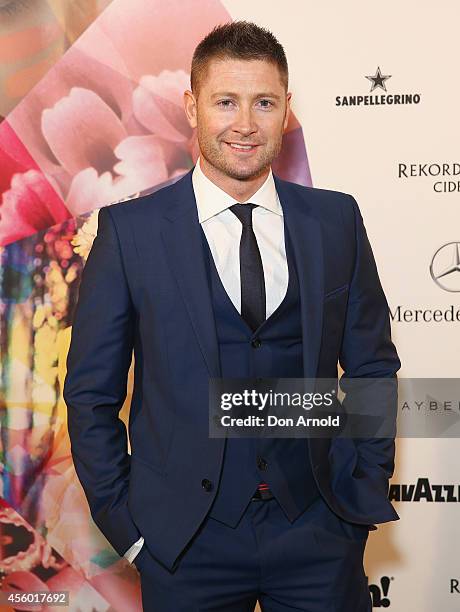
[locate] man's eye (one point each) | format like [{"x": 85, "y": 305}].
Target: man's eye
[{"x": 227, "y": 103}]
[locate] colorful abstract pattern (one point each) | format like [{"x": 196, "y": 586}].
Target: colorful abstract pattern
[{"x": 91, "y": 96}]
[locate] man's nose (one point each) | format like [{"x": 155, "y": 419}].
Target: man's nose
[{"x": 245, "y": 122}]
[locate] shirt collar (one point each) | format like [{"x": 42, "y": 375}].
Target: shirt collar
[{"x": 211, "y": 199}]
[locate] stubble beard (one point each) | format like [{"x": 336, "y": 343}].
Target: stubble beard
[{"x": 212, "y": 152}]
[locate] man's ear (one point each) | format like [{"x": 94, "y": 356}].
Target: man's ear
[
  {"x": 288, "y": 109},
  {"x": 190, "y": 107}
]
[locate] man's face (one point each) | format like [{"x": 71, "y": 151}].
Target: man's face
[{"x": 239, "y": 102}]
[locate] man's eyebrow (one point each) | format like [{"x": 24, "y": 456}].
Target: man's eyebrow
[{"x": 235, "y": 95}]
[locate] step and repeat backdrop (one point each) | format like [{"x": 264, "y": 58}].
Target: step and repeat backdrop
[{"x": 91, "y": 113}]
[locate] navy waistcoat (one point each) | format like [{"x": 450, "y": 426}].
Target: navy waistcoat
[{"x": 283, "y": 463}]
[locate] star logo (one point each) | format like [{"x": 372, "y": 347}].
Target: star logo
[
  {"x": 378, "y": 80},
  {"x": 445, "y": 267}
]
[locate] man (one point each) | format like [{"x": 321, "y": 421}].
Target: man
[{"x": 230, "y": 272}]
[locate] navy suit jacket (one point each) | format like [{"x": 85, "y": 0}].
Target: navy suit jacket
[{"x": 144, "y": 288}]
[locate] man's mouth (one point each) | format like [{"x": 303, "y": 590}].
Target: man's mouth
[{"x": 243, "y": 148}]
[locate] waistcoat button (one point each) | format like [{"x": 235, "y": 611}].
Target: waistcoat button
[{"x": 261, "y": 463}]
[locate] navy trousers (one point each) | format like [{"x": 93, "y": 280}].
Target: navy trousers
[{"x": 314, "y": 564}]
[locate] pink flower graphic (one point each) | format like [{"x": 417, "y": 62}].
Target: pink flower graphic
[
  {"x": 30, "y": 201},
  {"x": 29, "y": 205},
  {"x": 82, "y": 131},
  {"x": 157, "y": 104}
]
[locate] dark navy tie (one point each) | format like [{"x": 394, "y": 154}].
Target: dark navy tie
[{"x": 251, "y": 269}]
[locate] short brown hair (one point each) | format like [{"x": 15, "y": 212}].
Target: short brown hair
[{"x": 237, "y": 40}]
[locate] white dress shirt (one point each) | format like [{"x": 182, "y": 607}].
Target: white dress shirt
[{"x": 223, "y": 232}]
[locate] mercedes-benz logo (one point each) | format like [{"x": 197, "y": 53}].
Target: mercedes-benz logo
[{"x": 445, "y": 267}]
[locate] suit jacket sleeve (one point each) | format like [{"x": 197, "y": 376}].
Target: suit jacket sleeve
[
  {"x": 368, "y": 352},
  {"x": 95, "y": 386}
]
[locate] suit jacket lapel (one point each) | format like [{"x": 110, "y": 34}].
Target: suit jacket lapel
[
  {"x": 183, "y": 242},
  {"x": 305, "y": 232}
]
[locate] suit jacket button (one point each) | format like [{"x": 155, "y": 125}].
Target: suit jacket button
[
  {"x": 256, "y": 342},
  {"x": 206, "y": 484}
]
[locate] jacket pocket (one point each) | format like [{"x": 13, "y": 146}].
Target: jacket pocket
[
  {"x": 155, "y": 468},
  {"x": 335, "y": 291}
]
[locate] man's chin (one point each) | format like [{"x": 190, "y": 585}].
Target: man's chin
[{"x": 245, "y": 173}]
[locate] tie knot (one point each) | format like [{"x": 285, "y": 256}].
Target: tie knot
[{"x": 243, "y": 212}]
